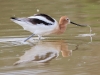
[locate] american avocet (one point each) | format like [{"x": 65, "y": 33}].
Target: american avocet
[{"x": 42, "y": 24}]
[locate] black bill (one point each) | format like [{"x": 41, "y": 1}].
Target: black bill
[{"x": 78, "y": 24}]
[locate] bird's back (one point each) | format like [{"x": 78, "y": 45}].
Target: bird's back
[{"x": 40, "y": 24}]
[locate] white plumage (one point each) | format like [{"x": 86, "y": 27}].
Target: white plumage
[{"x": 38, "y": 28}]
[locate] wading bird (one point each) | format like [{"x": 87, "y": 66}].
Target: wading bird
[{"x": 42, "y": 24}]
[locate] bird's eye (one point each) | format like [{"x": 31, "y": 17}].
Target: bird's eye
[{"x": 67, "y": 19}]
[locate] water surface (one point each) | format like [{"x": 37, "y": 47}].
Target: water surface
[{"x": 71, "y": 53}]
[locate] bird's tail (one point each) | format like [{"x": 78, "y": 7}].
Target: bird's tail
[
  {"x": 14, "y": 18},
  {"x": 17, "y": 19},
  {"x": 21, "y": 21}
]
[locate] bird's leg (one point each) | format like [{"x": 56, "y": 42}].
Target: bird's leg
[
  {"x": 29, "y": 37},
  {"x": 39, "y": 37}
]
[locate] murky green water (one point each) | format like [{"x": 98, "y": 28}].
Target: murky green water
[{"x": 71, "y": 53}]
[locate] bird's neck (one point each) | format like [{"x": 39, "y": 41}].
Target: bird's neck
[{"x": 61, "y": 29}]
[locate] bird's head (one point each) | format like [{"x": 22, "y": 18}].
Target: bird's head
[{"x": 64, "y": 20}]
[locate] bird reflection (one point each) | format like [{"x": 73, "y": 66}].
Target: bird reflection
[{"x": 44, "y": 52}]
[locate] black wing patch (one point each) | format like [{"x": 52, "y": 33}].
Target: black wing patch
[
  {"x": 37, "y": 21},
  {"x": 46, "y": 16}
]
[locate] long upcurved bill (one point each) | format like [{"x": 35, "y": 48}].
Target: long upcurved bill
[{"x": 78, "y": 24}]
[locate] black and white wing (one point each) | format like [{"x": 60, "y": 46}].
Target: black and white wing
[{"x": 41, "y": 19}]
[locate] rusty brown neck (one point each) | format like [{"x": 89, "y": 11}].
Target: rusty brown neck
[
  {"x": 61, "y": 25},
  {"x": 61, "y": 28}
]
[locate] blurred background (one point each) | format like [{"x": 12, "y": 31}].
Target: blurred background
[{"x": 83, "y": 61}]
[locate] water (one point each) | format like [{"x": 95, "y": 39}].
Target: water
[
  {"x": 85, "y": 35},
  {"x": 64, "y": 54}
]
